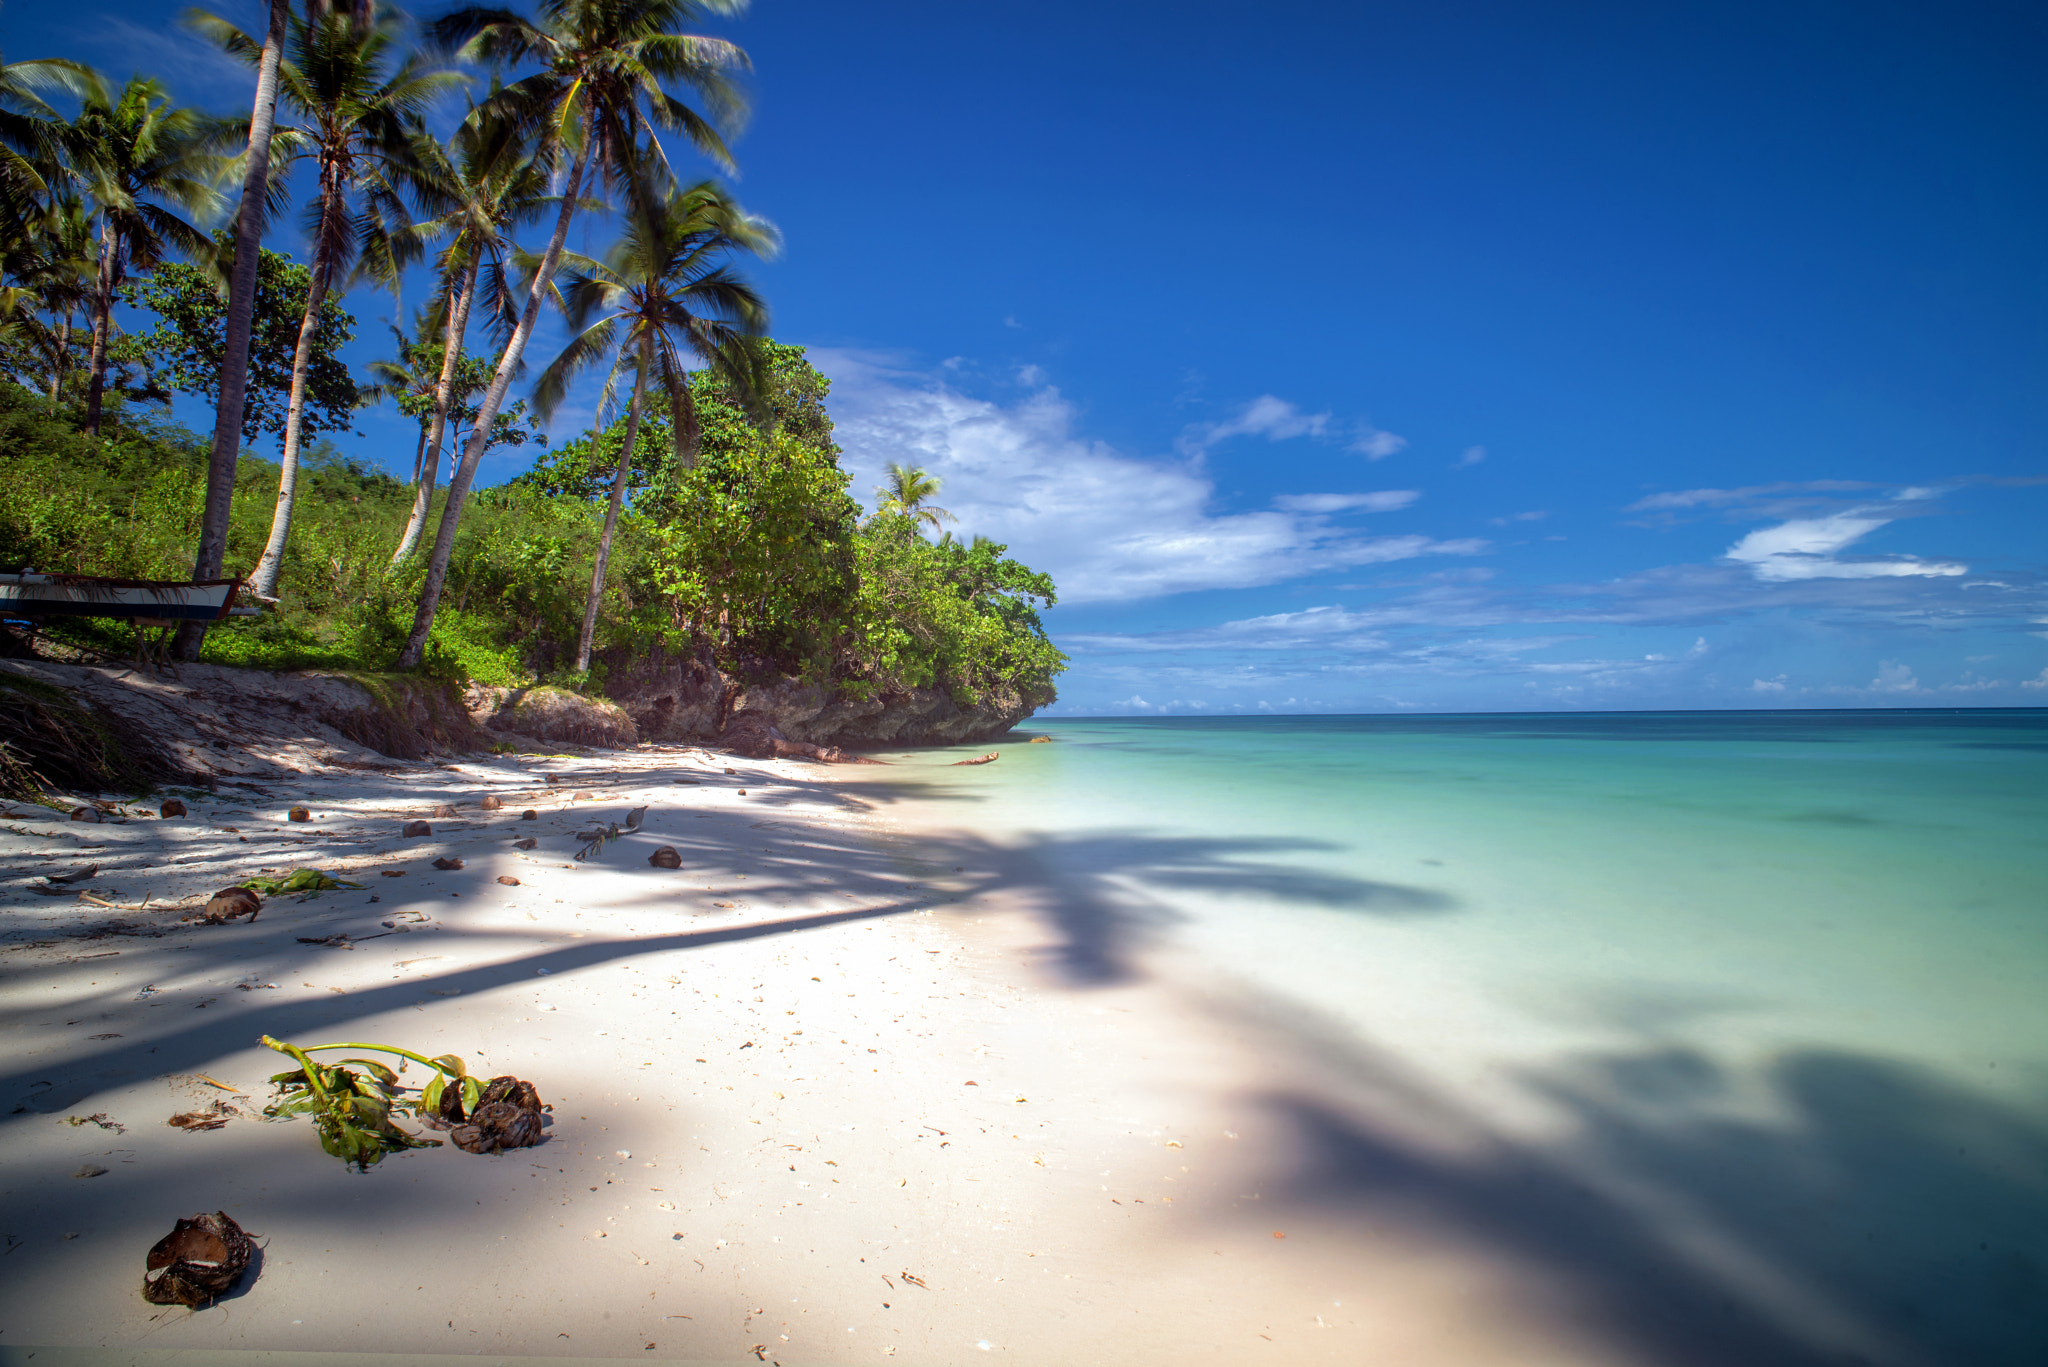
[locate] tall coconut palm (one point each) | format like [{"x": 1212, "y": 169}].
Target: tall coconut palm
[
  {"x": 906, "y": 494},
  {"x": 357, "y": 114},
  {"x": 666, "y": 294},
  {"x": 488, "y": 179},
  {"x": 241, "y": 312},
  {"x": 126, "y": 152},
  {"x": 31, "y": 134},
  {"x": 599, "y": 99}
]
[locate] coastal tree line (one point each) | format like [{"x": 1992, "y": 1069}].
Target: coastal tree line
[{"x": 707, "y": 505}]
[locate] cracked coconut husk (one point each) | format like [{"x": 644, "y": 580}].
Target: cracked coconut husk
[
  {"x": 507, "y": 1116},
  {"x": 199, "y": 1261}
]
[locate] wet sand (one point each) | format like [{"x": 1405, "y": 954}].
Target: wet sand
[{"x": 830, "y": 1092}]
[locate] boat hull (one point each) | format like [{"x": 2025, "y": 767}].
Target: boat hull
[{"x": 39, "y": 595}]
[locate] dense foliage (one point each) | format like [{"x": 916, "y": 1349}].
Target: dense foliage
[
  {"x": 755, "y": 552},
  {"x": 183, "y": 351}
]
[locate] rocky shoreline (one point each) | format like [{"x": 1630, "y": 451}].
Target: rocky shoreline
[{"x": 209, "y": 721}]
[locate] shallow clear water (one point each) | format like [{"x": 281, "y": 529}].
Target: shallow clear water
[{"x": 1654, "y": 946}]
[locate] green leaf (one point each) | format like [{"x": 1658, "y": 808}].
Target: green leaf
[
  {"x": 450, "y": 1063},
  {"x": 430, "y": 1096},
  {"x": 382, "y": 1073}
]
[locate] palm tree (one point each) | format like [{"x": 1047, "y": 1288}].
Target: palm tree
[
  {"x": 598, "y": 99},
  {"x": 356, "y": 129},
  {"x": 905, "y": 494},
  {"x": 241, "y": 312},
  {"x": 410, "y": 380},
  {"x": 50, "y": 262},
  {"x": 665, "y": 292},
  {"x": 31, "y": 146},
  {"x": 125, "y": 153},
  {"x": 483, "y": 183}
]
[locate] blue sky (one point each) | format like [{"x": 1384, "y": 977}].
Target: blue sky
[{"x": 1451, "y": 357}]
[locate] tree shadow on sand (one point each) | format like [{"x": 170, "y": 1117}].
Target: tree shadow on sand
[
  {"x": 1088, "y": 888},
  {"x": 1873, "y": 1212}
]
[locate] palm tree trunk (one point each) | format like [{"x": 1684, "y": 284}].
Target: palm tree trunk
[
  {"x": 444, "y": 390},
  {"x": 234, "y": 361},
  {"x": 419, "y": 456},
  {"x": 264, "y": 581},
  {"x": 487, "y": 414},
  {"x": 611, "y": 515},
  {"x": 60, "y": 362},
  {"x": 102, "y": 322}
]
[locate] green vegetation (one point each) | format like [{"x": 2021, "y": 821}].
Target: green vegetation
[
  {"x": 708, "y": 517},
  {"x": 755, "y": 553}
]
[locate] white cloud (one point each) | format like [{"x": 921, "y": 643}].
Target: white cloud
[
  {"x": 1267, "y": 416},
  {"x": 1374, "y": 444},
  {"x": 1384, "y": 501},
  {"x": 1805, "y": 549},
  {"x": 1719, "y": 498},
  {"x": 1893, "y": 677},
  {"x": 1517, "y": 517},
  {"x": 1473, "y": 455},
  {"x": 1276, "y": 419},
  {"x": 2039, "y": 681},
  {"x": 1776, "y": 685},
  {"x": 1105, "y": 525}
]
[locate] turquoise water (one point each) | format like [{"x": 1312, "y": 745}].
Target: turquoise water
[{"x": 1786, "y": 973}]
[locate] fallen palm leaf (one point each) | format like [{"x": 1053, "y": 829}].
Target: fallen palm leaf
[
  {"x": 299, "y": 880},
  {"x": 212, "y": 1118}
]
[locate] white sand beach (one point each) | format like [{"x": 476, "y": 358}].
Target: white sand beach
[{"x": 816, "y": 1098}]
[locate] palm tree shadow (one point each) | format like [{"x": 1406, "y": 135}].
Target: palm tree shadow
[
  {"x": 1884, "y": 1215},
  {"x": 1096, "y": 890}
]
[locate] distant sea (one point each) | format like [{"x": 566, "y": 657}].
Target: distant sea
[{"x": 1788, "y": 970}]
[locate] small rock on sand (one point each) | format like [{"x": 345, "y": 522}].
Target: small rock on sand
[
  {"x": 666, "y": 858},
  {"x": 417, "y": 828},
  {"x": 581, "y": 797},
  {"x": 444, "y": 810},
  {"x": 529, "y": 815},
  {"x": 525, "y": 844},
  {"x": 492, "y": 803},
  {"x": 91, "y": 814},
  {"x": 508, "y": 880},
  {"x": 299, "y": 814},
  {"x": 447, "y": 863},
  {"x": 171, "y": 807}
]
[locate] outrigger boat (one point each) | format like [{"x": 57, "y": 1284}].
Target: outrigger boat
[
  {"x": 155, "y": 601},
  {"x": 148, "y": 603}
]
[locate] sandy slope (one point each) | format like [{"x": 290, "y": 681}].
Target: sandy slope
[{"x": 816, "y": 1099}]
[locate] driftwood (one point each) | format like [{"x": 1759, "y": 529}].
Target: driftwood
[{"x": 989, "y": 758}]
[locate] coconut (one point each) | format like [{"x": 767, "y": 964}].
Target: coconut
[
  {"x": 507, "y": 1116},
  {"x": 199, "y": 1261},
  {"x": 666, "y": 858},
  {"x": 229, "y": 903}
]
